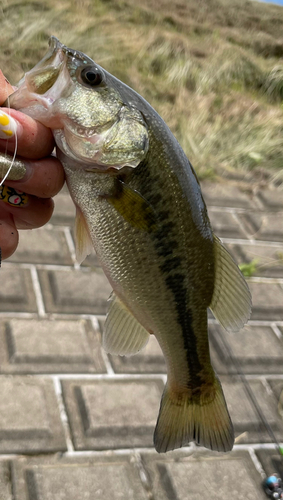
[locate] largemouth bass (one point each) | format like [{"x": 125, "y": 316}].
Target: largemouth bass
[{"x": 140, "y": 205}]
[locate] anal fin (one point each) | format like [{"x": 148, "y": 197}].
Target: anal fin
[{"x": 123, "y": 334}]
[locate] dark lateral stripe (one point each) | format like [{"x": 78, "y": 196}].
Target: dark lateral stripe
[
  {"x": 170, "y": 264},
  {"x": 165, "y": 244},
  {"x": 175, "y": 283}
]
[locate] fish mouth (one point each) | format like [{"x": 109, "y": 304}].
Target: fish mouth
[
  {"x": 42, "y": 85},
  {"x": 52, "y": 77}
]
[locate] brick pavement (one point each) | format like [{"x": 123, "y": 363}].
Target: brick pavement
[{"x": 78, "y": 424}]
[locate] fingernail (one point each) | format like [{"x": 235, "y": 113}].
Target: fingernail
[
  {"x": 18, "y": 168},
  {"x": 12, "y": 196},
  {"x": 8, "y": 126}
]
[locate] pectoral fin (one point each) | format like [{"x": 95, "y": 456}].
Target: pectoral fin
[
  {"x": 123, "y": 334},
  {"x": 231, "y": 302},
  {"x": 133, "y": 207},
  {"x": 83, "y": 241}
]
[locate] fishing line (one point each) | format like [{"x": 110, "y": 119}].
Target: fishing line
[
  {"x": 15, "y": 151},
  {"x": 252, "y": 398},
  {"x": 12, "y": 162}
]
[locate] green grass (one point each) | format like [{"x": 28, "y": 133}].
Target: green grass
[
  {"x": 212, "y": 69},
  {"x": 249, "y": 268}
]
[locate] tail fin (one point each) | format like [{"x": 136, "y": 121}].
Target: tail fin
[{"x": 183, "y": 420}]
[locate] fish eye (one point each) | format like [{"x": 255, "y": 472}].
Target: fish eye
[{"x": 91, "y": 76}]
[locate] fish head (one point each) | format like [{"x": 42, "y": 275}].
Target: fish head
[{"x": 91, "y": 119}]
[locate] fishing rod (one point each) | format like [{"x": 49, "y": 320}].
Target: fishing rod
[{"x": 272, "y": 485}]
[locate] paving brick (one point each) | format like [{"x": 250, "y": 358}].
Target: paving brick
[
  {"x": 256, "y": 349},
  {"x": 271, "y": 462},
  {"x": 225, "y": 225},
  {"x": 204, "y": 475},
  {"x": 247, "y": 424},
  {"x": 42, "y": 246},
  {"x": 267, "y": 299},
  {"x": 64, "y": 209},
  {"x": 5, "y": 481},
  {"x": 223, "y": 195},
  {"x": 29, "y": 416},
  {"x": 112, "y": 414},
  {"x": 269, "y": 259},
  {"x": 148, "y": 360},
  {"x": 263, "y": 226},
  {"x": 44, "y": 346},
  {"x": 271, "y": 198},
  {"x": 78, "y": 478},
  {"x": 16, "y": 291},
  {"x": 75, "y": 291}
]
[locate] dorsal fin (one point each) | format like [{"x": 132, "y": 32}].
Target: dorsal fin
[
  {"x": 122, "y": 334},
  {"x": 231, "y": 302},
  {"x": 83, "y": 241}
]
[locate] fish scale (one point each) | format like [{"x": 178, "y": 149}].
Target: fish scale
[{"x": 140, "y": 205}]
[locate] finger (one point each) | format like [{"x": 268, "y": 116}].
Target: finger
[
  {"x": 28, "y": 212},
  {"x": 43, "y": 178},
  {"x": 9, "y": 236},
  {"x": 33, "y": 139}
]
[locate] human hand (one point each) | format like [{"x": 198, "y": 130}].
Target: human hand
[{"x": 40, "y": 176}]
